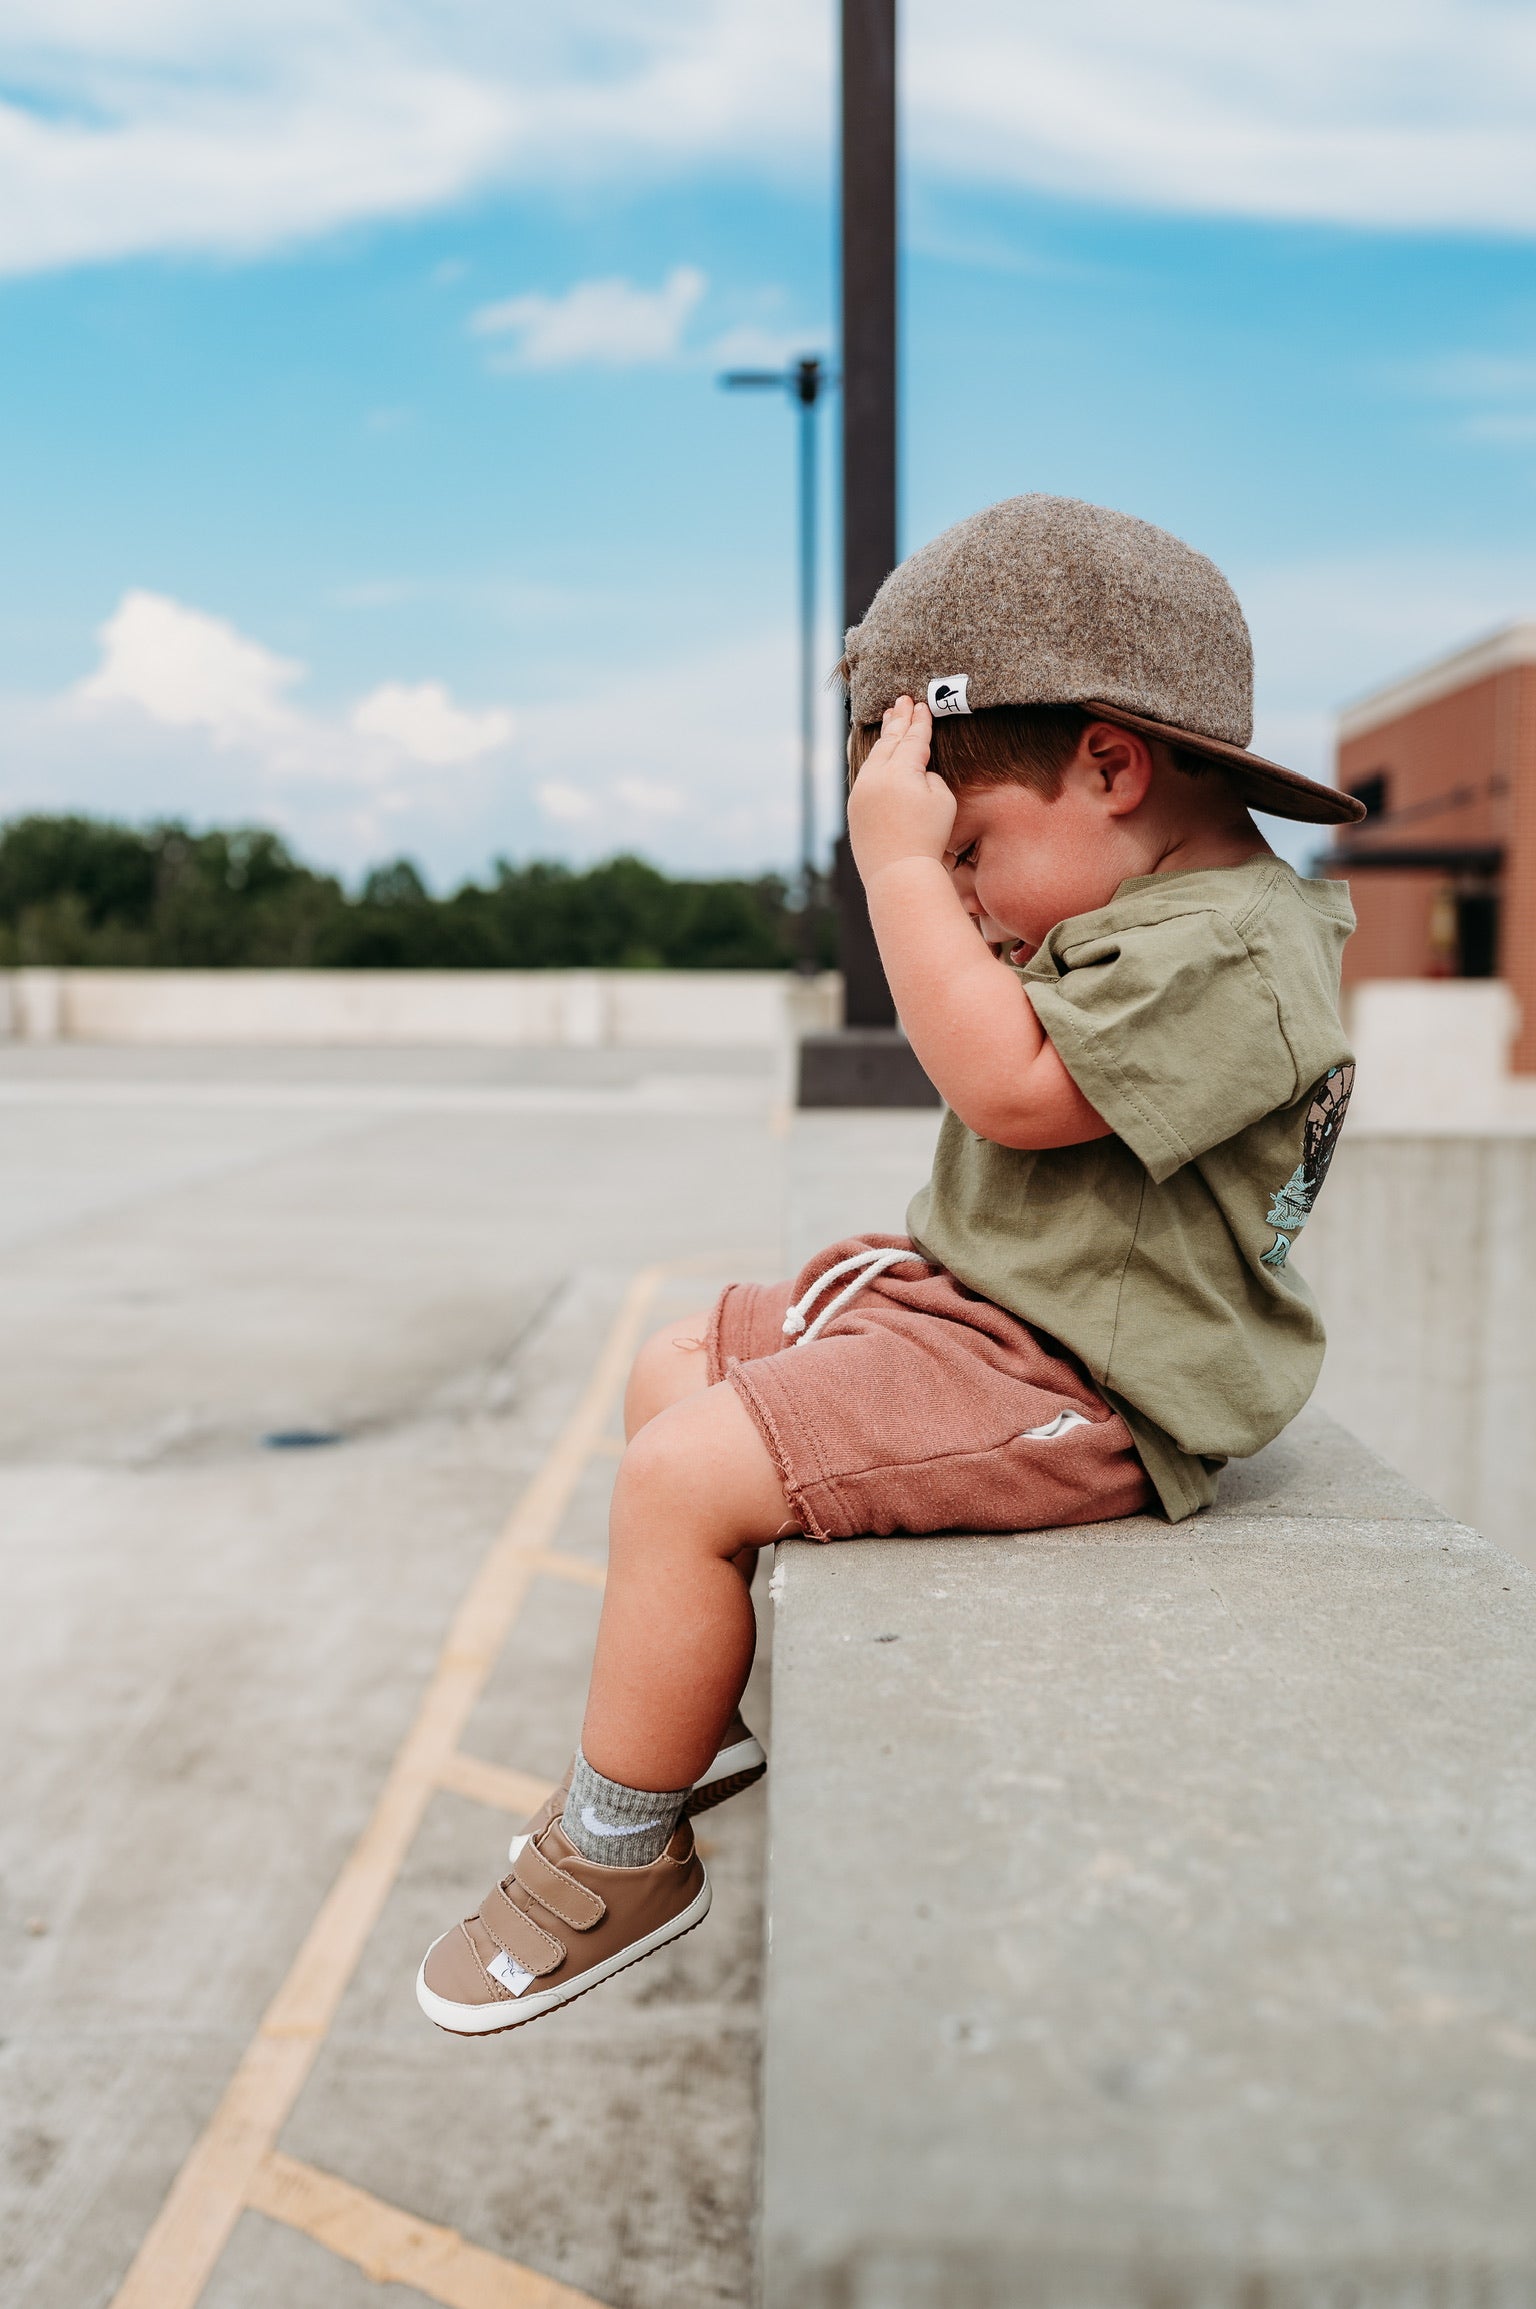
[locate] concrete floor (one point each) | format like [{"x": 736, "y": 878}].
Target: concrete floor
[{"x": 212, "y": 1650}]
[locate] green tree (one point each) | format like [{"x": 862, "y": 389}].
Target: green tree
[{"x": 85, "y": 891}]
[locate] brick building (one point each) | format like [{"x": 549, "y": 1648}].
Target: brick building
[{"x": 1443, "y": 868}]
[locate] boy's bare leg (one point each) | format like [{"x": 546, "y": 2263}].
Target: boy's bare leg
[
  {"x": 671, "y": 1365},
  {"x": 668, "y": 1367},
  {"x": 617, "y": 1875},
  {"x": 696, "y": 1490}
]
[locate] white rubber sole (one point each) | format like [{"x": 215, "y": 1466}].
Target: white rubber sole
[
  {"x": 746, "y": 1761},
  {"x": 492, "y": 2019},
  {"x": 744, "y": 1757}
]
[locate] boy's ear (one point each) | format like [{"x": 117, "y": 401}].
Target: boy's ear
[{"x": 1119, "y": 764}]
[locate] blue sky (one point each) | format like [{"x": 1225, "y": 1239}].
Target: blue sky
[{"x": 364, "y": 471}]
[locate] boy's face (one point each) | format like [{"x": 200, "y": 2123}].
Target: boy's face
[{"x": 1022, "y": 864}]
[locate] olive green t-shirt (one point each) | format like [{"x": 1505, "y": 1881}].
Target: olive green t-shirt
[{"x": 1198, "y": 1013}]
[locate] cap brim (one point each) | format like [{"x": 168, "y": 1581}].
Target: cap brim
[{"x": 1265, "y": 785}]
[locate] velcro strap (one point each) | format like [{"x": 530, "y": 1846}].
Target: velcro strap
[
  {"x": 514, "y": 1930},
  {"x": 575, "y": 1903}
]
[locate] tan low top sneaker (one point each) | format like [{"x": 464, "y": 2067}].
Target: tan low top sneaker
[
  {"x": 738, "y": 1763},
  {"x": 554, "y": 1928}
]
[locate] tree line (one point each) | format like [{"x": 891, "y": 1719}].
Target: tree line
[{"x": 77, "y": 890}]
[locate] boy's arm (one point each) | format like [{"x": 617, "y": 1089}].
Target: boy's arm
[{"x": 965, "y": 1013}]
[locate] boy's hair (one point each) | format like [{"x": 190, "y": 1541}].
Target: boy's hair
[{"x": 1006, "y": 746}]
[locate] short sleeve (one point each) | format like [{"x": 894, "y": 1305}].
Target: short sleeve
[{"x": 1170, "y": 1032}]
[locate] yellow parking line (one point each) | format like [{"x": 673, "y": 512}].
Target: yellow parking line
[
  {"x": 493, "y": 1783},
  {"x": 177, "y": 2257},
  {"x": 572, "y": 1567},
  {"x": 395, "y": 2248}
]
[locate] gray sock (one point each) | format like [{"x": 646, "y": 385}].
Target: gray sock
[{"x": 619, "y": 1827}]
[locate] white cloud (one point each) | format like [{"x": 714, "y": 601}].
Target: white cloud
[
  {"x": 611, "y": 323},
  {"x": 1324, "y": 631},
  {"x": 1508, "y": 428},
  {"x": 1477, "y": 377},
  {"x": 185, "y": 697},
  {"x": 751, "y": 346},
  {"x": 567, "y": 805},
  {"x": 648, "y": 798},
  {"x": 1495, "y": 392},
  {"x": 705, "y": 788},
  {"x": 573, "y": 805},
  {"x": 425, "y": 723},
  {"x": 229, "y": 125},
  {"x": 615, "y": 324},
  {"x": 1364, "y": 112},
  {"x": 190, "y": 670},
  {"x": 233, "y": 125}
]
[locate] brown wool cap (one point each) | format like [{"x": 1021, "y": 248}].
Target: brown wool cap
[{"x": 1048, "y": 601}]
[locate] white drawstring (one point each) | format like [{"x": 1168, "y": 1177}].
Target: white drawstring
[{"x": 869, "y": 1263}]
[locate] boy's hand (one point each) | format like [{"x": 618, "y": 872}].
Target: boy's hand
[{"x": 899, "y": 808}]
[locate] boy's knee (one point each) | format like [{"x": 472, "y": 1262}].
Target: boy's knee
[
  {"x": 702, "y": 1471},
  {"x": 655, "y": 1465}
]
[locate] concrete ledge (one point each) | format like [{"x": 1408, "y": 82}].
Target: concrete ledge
[
  {"x": 1153, "y": 1910},
  {"x": 528, "y": 1009},
  {"x": 1423, "y": 1254}
]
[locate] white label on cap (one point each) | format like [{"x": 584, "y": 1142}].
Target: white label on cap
[{"x": 946, "y": 695}]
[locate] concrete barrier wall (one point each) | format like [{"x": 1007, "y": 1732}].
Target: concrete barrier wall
[
  {"x": 1422, "y": 1250},
  {"x": 574, "y": 1009},
  {"x": 1150, "y": 1908},
  {"x": 1433, "y": 1055}
]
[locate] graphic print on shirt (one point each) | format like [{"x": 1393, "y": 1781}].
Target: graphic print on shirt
[{"x": 1287, "y": 1214}]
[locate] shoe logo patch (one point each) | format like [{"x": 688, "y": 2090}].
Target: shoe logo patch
[
  {"x": 596, "y": 1827},
  {"x": 1062, "y": 1424},
  {"x": 509, "y": 1972}
]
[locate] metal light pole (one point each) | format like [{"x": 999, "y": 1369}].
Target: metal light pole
[
  {"x": 869, "y": 290},
  {"x": 869, "y": 299},
  {"x": 805, "y": 380},
  {"x": 869, "y": 1063}
]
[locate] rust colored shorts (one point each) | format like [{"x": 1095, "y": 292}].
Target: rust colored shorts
[{"x": 920, "y": 1407}]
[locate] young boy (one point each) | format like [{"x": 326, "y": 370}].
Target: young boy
[{"x": 1129, "y": 1005}]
